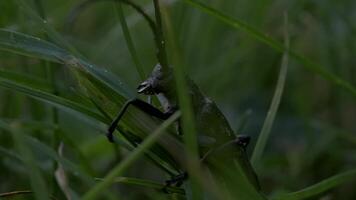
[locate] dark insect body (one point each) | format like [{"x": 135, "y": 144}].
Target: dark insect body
[
  {"x": 220, "y": 149},
  {"x": 217, "y": 141}
]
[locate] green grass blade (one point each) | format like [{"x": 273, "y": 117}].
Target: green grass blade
[
  {"x": 47, "y": 151},
  {"x": 59, "y": 102},
  {"x": 258, "y": 35},
  {"x": 122, "y": 166},
  {"x": 271, "y": 115},
  {"x": 38, "y": 183},
  {"x": 35, "y": 47},
  {"x": 320, "y": 187},
  {"x": 146, "y": 183},
  {"x": 49, "y": 31},
  {"x": 128, "y": 39},
  {"x": 185, "y": 105},
  {"x": 23, "y": 79},
  {"x": 68, "y": 165}
]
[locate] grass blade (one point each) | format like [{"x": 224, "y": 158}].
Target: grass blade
[
  {"x": 35, "y": 47},
  {"x": 128, "y": 39},
  {"x": 185, "y": 105},
  {"x": 139, "y": 151},
  {"x": 320, "y": 187},
  {"x": 258, "y": 35},
  {"x": 38, "y": 183},
  {"x": 146, "y": 183},
  {"x": 271, "y": 115},
  {"x": 59, "y": 102}
]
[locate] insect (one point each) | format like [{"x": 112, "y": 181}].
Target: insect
[
  {"x": 218, "y": 145},
  {"x": 217, "y": 141}
]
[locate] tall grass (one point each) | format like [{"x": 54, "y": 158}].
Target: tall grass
[{"x": 232, "y": 49}]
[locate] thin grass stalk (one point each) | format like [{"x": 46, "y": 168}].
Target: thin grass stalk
[
  {"x": 128, "y": 39},
  {"x": 320, "y": 187},
  {"x": 271, "y": 115},
  {"x": 185, "y": 105}
]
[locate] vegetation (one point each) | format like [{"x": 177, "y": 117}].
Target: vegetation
[{"x": 281, "y": 72}]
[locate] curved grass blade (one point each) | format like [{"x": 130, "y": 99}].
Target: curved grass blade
[
  {"x": 122, "y": 166},
  {"x": 271, "y": 115},
  {"x": 320, "y": 187},
  {"x": 35, "y": 47},
  {"x": 258, "y": 35}
]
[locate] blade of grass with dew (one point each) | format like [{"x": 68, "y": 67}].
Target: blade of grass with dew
[
  {"x": 258, "y": 35},
  {"x": 271, "y": 115},
  {"x": 37, "y": 181},
  {"x": 136, "y": 154},
  {"x": 320, "y": 187},
  {"x": 146, "y": 183},
  {"x": 128, "y": 39},
  {"x": 185, "y": 105}
]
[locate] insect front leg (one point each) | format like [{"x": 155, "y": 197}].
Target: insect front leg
[{"x": 142, "y": 105}]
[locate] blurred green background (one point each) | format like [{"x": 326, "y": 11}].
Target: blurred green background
[{"x": 312, "y": 138}]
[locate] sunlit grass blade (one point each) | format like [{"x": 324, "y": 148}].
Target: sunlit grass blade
[
  {"x": 320, "y": 187},
  {"x": 271, "y": 115},
  {"x": 251, "y": 31},
  {"x": 137, "y": 153},
  {"x": 38, "y": 183}
]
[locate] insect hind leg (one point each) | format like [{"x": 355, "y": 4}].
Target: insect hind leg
[{"x": 142, "y": 105}]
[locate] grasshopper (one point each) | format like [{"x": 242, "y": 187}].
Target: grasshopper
[{"x": 217, "y": 141}]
